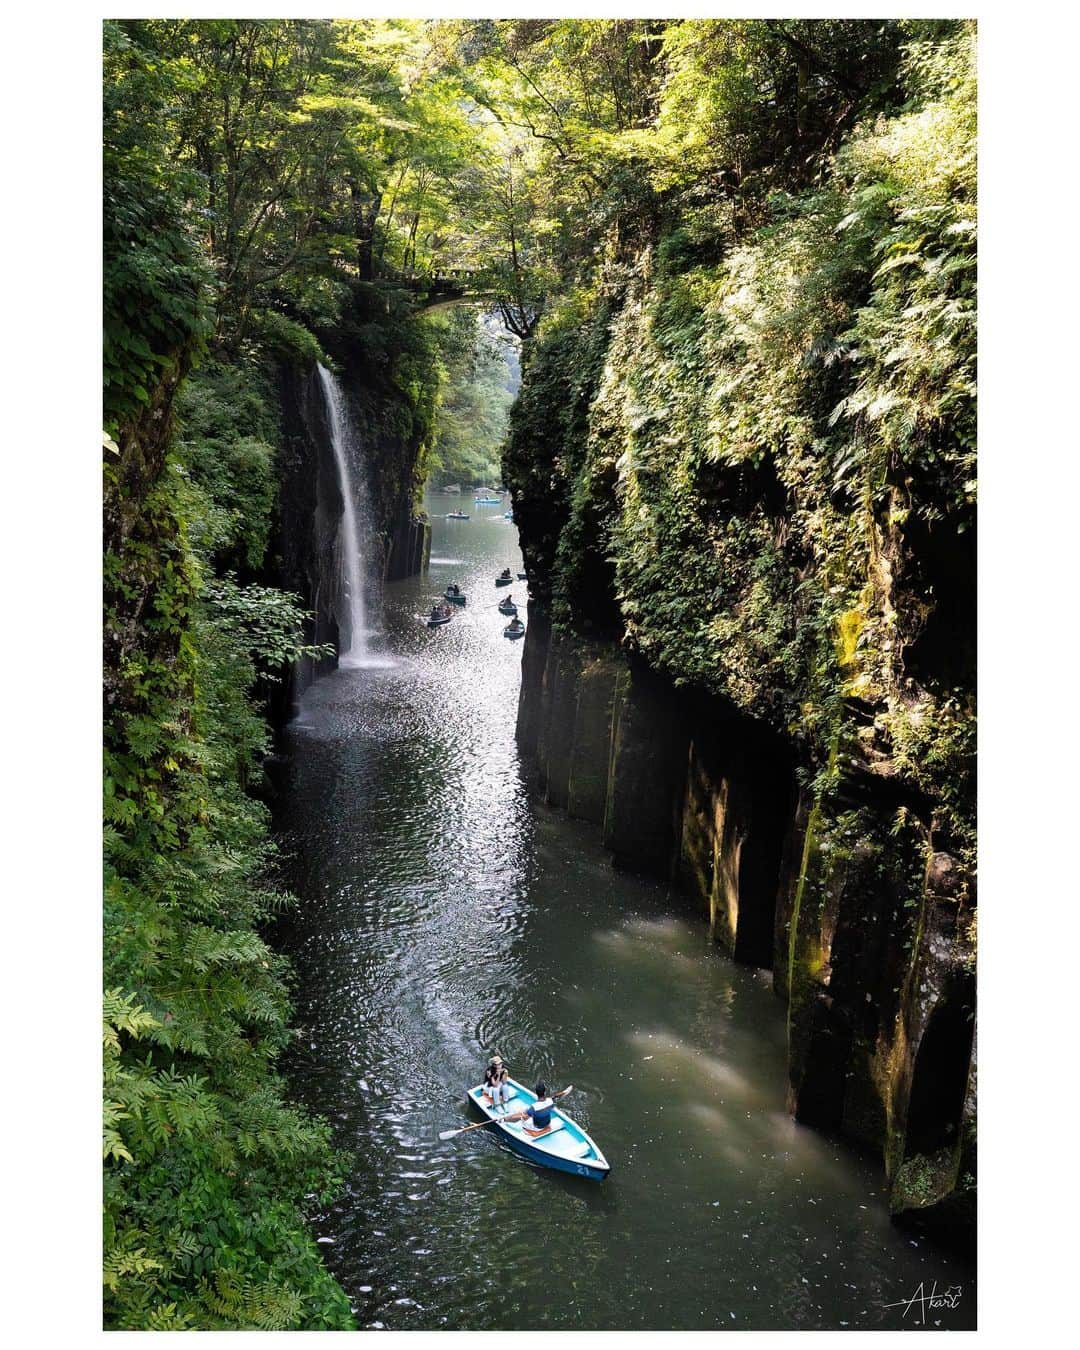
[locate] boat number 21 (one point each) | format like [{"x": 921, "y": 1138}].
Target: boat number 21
[{"x": 582, "y": 1171}]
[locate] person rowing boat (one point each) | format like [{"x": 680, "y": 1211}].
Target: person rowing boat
[
  {"x": 539, "y": 1112},
  {"x": 560, "y": 1143}
]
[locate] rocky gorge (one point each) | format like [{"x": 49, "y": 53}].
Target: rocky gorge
[
  {"x": 701, "y": 296},
  {"x": 751, "y": 652}
]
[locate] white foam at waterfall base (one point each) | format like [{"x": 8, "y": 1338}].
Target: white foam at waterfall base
[{"x": 353, "y": 650}]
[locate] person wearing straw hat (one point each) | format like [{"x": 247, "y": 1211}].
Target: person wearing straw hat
[{"x": 496, "y": 1082}]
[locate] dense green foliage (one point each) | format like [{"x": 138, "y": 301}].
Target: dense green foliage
[
  {"x": 207, "y": 1168},
  {"x": 739, "y": 257},
  {"x": 475, "y": 401},
  {"x": 152, "y": 304},
  {"x": 768, "y": 444}
]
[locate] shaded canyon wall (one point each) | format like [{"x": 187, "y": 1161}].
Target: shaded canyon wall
[
  {"x": 745, "y": 493},
  {"x": 867, "y": 945},
  {"x": 397, "y": 536}
]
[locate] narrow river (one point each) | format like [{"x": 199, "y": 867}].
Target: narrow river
[{"x": 445, "y": 913}]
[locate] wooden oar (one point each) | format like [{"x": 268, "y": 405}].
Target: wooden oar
[{"x": 494, "y": 1120}]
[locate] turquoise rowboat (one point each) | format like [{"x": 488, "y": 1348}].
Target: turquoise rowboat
[{"x": 564, "y": 1146}]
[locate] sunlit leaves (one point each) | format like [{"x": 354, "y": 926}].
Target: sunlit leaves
[
  {"x": 769, "y": 421},
  {"x": 267, "y": 621},
  {"x": 153, "y": 275},
  {"x": 474, "y": 401}
]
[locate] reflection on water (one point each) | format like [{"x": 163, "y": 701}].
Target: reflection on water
[{"x": 444, "y": 913}]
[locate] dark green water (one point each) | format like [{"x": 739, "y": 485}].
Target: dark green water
[{"x": 445, "y": 913}]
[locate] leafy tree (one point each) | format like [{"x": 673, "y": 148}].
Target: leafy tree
[
  {"x": 739, "y": 256},
  {"x": 472, "y": 414},
  {"x": 753, "y": 416},
  {"x": 206, "y": 1168}
]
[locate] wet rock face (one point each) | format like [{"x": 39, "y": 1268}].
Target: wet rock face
[
  {"x": 410, "y": 548},
  {"x": 310, "y": 507},
  {"x": 738, "y": 800},
  {"x": 590, "y": 753},
  {"x": 533, "y": 662},
  {"x": 608, "y": 741},
  {"x": 880, "y": 981},
  {"x": 870, "y": 937},
  {"x": 769, "y": 681},
  {"x": 310, "y": 495},
  {"x": 643, "y": 809},
  {"x": 931, "y": 1147}
]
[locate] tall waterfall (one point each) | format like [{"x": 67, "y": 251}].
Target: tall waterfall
[{"x": 352, "y": 622}]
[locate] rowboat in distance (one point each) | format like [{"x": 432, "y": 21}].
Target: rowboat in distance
[
  {"x": 564, "y": 1145},
  {"x": 456, "y": 515}
]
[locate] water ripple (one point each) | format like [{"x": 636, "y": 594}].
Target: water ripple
[{"x": 444, "y": 914}]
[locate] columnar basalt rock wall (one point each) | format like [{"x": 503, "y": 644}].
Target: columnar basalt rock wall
[
  {"x": 410, "y": 548},
  {"x": 736, "y": 818},
  {"x": 590, "y": 750},
  {"x": 742, "y": 465},
  {"x": 643, "y": 811},
  {"x": 870, "y": 947},
  {"x": 608, "y": 743},
  {"x": 931, "y": 1157}
]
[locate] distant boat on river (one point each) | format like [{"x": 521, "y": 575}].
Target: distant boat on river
[{"x": 456, "y": 515}]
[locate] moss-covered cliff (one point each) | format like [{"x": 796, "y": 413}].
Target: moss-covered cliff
[
  {"x": 217, "y": 494},
  {"x": 209, "y": 1173},
  {"x": 743, "y": 472}
]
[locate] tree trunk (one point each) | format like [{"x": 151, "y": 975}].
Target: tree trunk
[{"x": 365, "y": 207}]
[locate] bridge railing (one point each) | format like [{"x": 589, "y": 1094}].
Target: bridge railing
[{"x": 443, "y": 278}]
